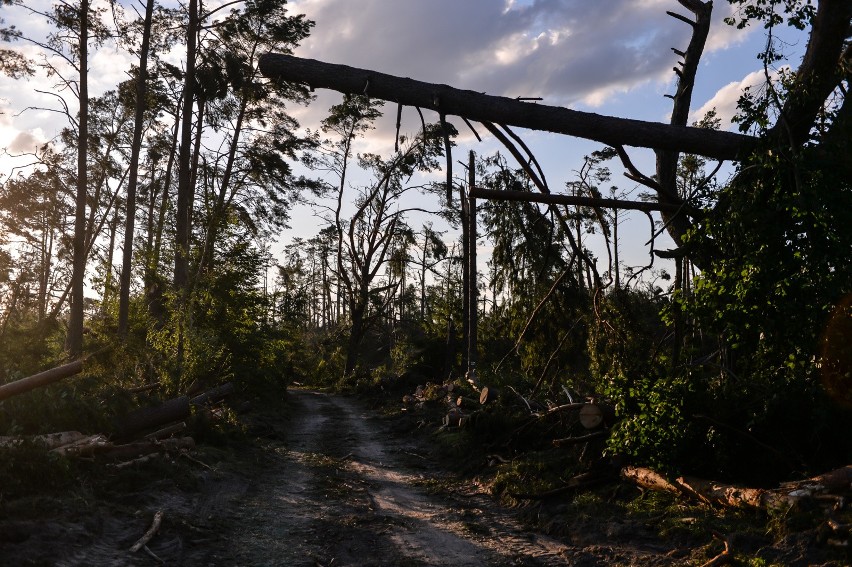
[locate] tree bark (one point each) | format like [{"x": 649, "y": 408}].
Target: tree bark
[
  {"x": 501, "y": 110},
  {"x": 78, "y": 275},
  {"x": 184, "y": 193},
  {"x": 40, "y": 379},
  {"x": 129, "y": 224},
  {"x": 176, "y": 409}
]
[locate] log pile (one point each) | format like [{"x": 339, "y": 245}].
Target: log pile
[{"x": 138, "y": 435}]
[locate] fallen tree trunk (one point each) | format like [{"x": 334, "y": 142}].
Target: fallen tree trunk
[
  {"x": 472, "y": 105},
  {"x": 732, "y": 496},
  {"x": 142, "y": 448},
  {"x": 166, "y": 431},
  {"x": 176, "y": 409},
  {"x": 85, "y": 447},
  {"x": 40, "y": 379},
  {"x": 216, "y": 394}
]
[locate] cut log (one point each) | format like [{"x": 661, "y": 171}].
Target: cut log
[
  {"x": 594, "y": 415},
  {"x": 40, "y": 379},
  {"x": 170, "y": 411},
  {"x": 85, "y": 447},
  {"x": 487, "y": 395},
  {"x": 650, "y": 479},
  {"x": 501, "y": 110},
  {"x": 215, "y": 395}
]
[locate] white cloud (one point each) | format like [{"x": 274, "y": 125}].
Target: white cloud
[
  {"x": 564, "y": 50},
  {"x": 725, "y": 99}
]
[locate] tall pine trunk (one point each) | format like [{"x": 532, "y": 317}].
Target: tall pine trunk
[
  {"x": 78, "y": 274},
  {"x": 129, "y": 225}
]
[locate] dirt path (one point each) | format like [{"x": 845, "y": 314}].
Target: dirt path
[
  {"x": 324, "y": 483},
  {"x": 344, "y": 492}
]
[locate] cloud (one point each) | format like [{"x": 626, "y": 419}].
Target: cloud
[
  {"x": 567, "y": 51},
  {"x": 26, "y": 142},
  {"x": 725, "y": 99}
]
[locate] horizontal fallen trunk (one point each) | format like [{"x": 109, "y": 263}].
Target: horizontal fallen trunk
[
  {"x": 576, "y": 201},
  {"x": 732, "y": 496},
  {"x": 211, "y": 396},
  {"x": 472, "y": 105},
  {"x": 142, "y": 448},
  {"x": 167, "y": 431},
  {"x": 40, "y": 379},
  {"x": 170, "y": 411},
  {"x": 85, "y": 447}
]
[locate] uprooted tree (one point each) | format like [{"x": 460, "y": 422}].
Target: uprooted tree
[{"x": 751, "y": 364}]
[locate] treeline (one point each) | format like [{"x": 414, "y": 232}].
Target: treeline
[{"x": 167, "y": 191}]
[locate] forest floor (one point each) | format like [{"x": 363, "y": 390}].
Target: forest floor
[{"x": 325, "y": 483}]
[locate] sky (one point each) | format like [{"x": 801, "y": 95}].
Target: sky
[{"x": 612, "y": 57}]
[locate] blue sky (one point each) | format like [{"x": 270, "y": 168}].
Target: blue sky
[{"x": 608, "y": 56}]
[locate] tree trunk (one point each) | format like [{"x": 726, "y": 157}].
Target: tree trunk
[
  {"x": 472, "y": 298},
  {"x": 40, "y": 379},
  {"x": 78, "y": 274},
  {"x": 480, "y": 107},
  {"x": 185, "y": 189},
  {"x": 129, "y": 225},
  {"x": 176, "y": 409}
]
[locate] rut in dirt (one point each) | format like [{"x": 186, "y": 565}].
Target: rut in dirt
[{"x": 342, "y": 491}]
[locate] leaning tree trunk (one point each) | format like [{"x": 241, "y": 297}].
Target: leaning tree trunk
[{"x": 501, "y": 110}]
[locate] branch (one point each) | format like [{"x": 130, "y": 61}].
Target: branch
[
  {"x": 517, "y": 155},
  {"x": 560, "y": 199}
]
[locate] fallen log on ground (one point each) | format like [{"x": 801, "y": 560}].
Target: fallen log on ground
[
  {"x": 176, "y": 409},
  {"x": 98, "y": 445},
  {"x": 85, "y": 447},
  {"x": 732, "y": 496},
  {"x": 142, "y": 448},
  {"x": 40, "y": 379},
  {"x": 215, "y": 395},
  {"x": 166, "y": 431}
]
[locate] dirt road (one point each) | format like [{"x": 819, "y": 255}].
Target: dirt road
[
  {"x": 344, "y": 492},
  {"x": 323, "y": 483}
]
